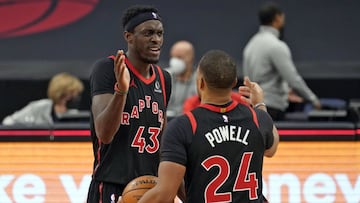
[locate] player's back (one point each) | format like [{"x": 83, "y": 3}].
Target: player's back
[{"x": 225, "y": 155}]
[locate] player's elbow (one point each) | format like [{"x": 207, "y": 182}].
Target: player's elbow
[
  {"x": 105, "y": 140},
  {"x": 105, "y": 131},
  {"x": 105, "y": 136},
  {"x": 272, "y": 150},
  {"x": 269, "y": 153}
]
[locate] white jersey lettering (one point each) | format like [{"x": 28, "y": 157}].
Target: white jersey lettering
[{"x": 227, "y": 133}]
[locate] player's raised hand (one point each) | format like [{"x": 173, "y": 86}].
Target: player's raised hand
[
  {"x": 121, "y": 72},
  {"x": 251, "y": 92}
]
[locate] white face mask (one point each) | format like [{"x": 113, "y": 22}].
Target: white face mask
[{"x": 176, "y": 66}]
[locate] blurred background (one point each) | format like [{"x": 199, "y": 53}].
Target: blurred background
[{"x": 41, "y": 38}]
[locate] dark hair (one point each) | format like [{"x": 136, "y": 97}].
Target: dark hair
[
  {"x": 135, "y": 10},
  {"x": 268, "y": 12},
  {"x": 218, "y": 68}
]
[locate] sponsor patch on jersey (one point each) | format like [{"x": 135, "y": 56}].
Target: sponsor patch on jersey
[
  {"x": 157, "y": 87},
  {"x": 132, "y": 83}
]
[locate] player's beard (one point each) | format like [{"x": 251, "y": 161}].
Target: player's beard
[{"x": 150, "y": 60}]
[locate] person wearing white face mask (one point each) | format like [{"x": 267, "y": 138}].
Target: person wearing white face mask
[{"x": 181, "y": 67}]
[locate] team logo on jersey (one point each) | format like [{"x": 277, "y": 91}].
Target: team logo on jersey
[
  {"x": 132, "y": 83},
  {"x": 226, "y": 119},
  {"x": 157, "y": 87}
]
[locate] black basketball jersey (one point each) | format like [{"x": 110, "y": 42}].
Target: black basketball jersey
[
  {"x": 134, "y": 150},
  {"x": 222, "y": 149}
]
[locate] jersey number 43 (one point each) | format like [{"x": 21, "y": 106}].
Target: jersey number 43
[
  {"x": 140, "y": 143},
  {"x": 245, "y": 181}
]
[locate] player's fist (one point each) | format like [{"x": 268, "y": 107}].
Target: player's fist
[{"x": 122, "y": 74}]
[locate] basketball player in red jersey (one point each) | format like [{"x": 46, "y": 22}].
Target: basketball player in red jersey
[
  {"x": 129, "y": 99},
  {"x": 219, "y": 146}
]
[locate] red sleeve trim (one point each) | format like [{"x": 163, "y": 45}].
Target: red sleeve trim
[
  {"x": 162, "y": 79},
  {"x": 255, "y": 119}
]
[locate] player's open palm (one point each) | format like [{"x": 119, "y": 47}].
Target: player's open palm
[{"x": 121, "y": 72}]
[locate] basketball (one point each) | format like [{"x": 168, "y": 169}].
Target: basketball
[{"x": 135, "y": 189}]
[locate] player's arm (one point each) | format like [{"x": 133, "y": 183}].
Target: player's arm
[
  {"x": 270, "y": 133},
  {"x": 107, "y": 108},
  {"x": 253, "y": 94},
  {"x": 170, "y": 175}
]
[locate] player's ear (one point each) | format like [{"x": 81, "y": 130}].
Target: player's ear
[
  {"x": 202, "y": 83},
  {"x": 234, "y": 83},
  {"x": 128, "y": 36}
]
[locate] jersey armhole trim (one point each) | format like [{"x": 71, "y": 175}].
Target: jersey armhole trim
[
  {"x": 162, "y": 79},
  {"x": 192, "y": 121},
  {"x": 255, "y": 119}
]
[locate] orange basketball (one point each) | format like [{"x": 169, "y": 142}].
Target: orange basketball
[{"x": 135, "y": 189}]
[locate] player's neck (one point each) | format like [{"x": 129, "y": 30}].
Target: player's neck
[
  {"x": 216, "y": 97},
  {"x": 141, "y": 67}
]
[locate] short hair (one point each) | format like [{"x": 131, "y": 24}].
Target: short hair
[
  {"x": 135, "y": 10},
  {"x": 62, "y": 84},
  {"x": 268, "y": 12},
  {"x": 218, "y": 69}
]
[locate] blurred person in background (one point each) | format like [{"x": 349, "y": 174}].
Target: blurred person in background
[
  {"x": 267, "y": 60},
  {"x": 182, "y": 56},
  {"x": 64, "y": 94}
]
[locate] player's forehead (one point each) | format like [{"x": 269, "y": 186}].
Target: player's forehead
[{"x": 154, "y": 25}]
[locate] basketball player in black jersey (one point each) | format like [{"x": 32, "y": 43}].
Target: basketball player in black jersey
[
  {"x": 219, "y": 146},
  {"x": 129, "y": 99}
]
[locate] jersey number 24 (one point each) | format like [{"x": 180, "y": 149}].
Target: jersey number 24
[{"x": 245, "y": 181}]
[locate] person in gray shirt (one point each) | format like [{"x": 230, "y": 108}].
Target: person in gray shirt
[{"x": 267, "y": 60}]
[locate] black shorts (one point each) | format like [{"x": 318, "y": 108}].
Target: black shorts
[{"x": 103, "y": 192}]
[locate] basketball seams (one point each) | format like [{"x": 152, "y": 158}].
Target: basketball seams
[
  {"x": 144, "y": 188},
  {"x": 137, "y": 187}
]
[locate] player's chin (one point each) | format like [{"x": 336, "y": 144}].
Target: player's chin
[{"x": 151, "y": 59}]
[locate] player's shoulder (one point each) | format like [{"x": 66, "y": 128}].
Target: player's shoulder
[
  {"x": 181, "y": 120},
  {"x": 104, "y": 61},
  {"x": 101, "y": 64},
  {"x": 166, "y": 74}
]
